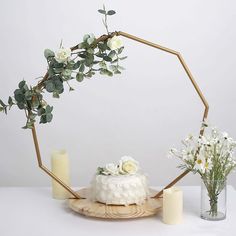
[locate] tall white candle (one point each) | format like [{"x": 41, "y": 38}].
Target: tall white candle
[
  {"x": 172, "y": 205},
  {"x": 60, "y": 167}
]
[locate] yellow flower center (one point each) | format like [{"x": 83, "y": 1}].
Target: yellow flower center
[{"x": 199, "y": 161}]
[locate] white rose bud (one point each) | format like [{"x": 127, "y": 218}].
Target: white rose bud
[
  {"x": 111, "y": 168},
  {"x": 114, "y": 43},
  {"x": 62, "y": 55},
  {"x": 128, "y": 165}
]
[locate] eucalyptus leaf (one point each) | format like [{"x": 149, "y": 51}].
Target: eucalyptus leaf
[
  {"x": 90, "y": 40},
  {"x": 25, "y": 87},
  {"x": 66, "y": 73},
  {"x": 86, "y": 37},
  {"x": 19, "y": 96},
  {"x": 103, "y": 65},
  {"x": 81, "y": 46},
  {"x": 76, "y": 65},
  {"x": 120, "y": 50},
  {"x": 58, "y": 86},
  {"x": 43, "y": 119},
  {"x": 111, "y": 12},
  {"x": 21, "y": 84},
  {"x": 116, "y": 60},
  {"x": 41, "y": 111},
  {"x": 112, "y": 54},
  {"x": 117, "y": 72},
  {"x": 51, "y": 72},
  {"x": 50, "y": 86},
  {"x": 89, "y": 60},
  {"x": 102, "y": 46},
  {"x": 29, "y": 125},
  {"x": 2, "y": 103},
  {"x": 21, "y": 105},
  {"x": 49, "y": 117},
  {"x": 82, "y": 55},
  {"x": 32, "y": 116},
  {"x": 56, "y": 94},
  {"x": 28, "y": 95},
  {"x": 106, "y": 72},
  {"x": 121, "y": 67},
  {"x": 48, "y": 109},
  {"x": 58, "y": 70},
  {"x": 102, "y": 11},
  {"x": 56, "y": 64},
  {"x": 107, "y": 58},
  {"x": 80, "y": 77},
  {"x": 122, "y": 58},
  {"x": 48, "y": 53},
  {"x": 82, "y": 68}
]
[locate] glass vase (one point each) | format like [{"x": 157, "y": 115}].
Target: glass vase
[{"x": 213, "y": 200}]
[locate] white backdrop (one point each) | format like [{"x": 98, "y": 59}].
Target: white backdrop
[{"x": 143, "y": 112}]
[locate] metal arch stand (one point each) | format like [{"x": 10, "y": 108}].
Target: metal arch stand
[{"x": 129, "y": 36}]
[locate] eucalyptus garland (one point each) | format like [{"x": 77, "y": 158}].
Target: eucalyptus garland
[{"x": 93, "y": 55}]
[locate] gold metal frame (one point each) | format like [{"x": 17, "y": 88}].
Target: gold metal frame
[{"x": 129, "y": 36}]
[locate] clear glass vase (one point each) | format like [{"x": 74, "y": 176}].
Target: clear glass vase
[{"x": 213, "y": 199}]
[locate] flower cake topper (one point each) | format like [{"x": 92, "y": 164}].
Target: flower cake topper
[{"x": 126, "y": 166}]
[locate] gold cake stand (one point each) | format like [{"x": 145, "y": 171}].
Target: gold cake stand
[{"x": 89, "y": 208}]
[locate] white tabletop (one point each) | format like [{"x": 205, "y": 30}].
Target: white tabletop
[{"x": 33, "y": 212}]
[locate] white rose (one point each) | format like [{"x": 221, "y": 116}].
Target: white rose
[
  {"x": 112, "y": 169},
  {"x": 127, "y": 165},
  {"x": 114, "y": 43},
  {"x": 62, "y": 55}
]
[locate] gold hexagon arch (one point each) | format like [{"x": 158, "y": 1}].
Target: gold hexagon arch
[{"x": 129, "y": 36}]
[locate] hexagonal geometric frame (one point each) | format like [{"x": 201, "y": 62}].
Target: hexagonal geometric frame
[{"x": 190, "y": 76}]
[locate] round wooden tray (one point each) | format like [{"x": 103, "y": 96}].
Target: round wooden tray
[{"x": 99, "y": 210}]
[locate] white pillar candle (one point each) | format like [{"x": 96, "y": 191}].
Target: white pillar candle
[
  {"x": 172, "y": 205},
  {"x": 60, "y": 167}
]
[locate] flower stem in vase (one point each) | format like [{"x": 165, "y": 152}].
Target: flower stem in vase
[{"x": 213, "y": 199}]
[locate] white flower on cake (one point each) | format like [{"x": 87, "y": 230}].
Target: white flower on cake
[
  {"x": 112, "y": 169},
  {"x": 114, "y": 43},
  {"x": 62, "y": 55},
  {"x": 127, "y": 165}
]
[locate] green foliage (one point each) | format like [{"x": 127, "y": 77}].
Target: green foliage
[
  {"x": 31, "y": 101},
  {"x": 89, "y": 57},
  {"x": 106, "y": 13},
  {"x": 3, "y": 107},
  {"x": 54, "y": 85},
  {"x": 111, "y": 12},
  {"x": 80, "y": 77},
  {"x": 46, "y": 114},
  {"x": 48, "y": 53}
]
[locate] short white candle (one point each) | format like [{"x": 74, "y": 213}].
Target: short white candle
[
  {"x": 172, "y": 205},
  {"x": 60, "y": 167}
]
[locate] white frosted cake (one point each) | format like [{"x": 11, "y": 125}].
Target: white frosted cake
[{"x": 120, "y": 184}]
